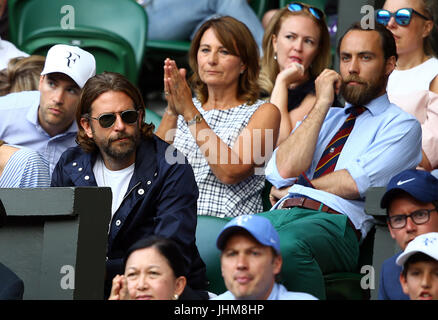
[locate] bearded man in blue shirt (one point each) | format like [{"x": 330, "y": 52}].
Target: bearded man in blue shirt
[{"x": 322, "y": 171}]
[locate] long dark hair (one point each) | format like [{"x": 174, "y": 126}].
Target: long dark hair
[{"x": 94, "y": 87}]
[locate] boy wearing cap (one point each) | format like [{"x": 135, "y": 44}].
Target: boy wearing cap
[
  {"x": 419, "y": 278},
  {"x": 411, "y": 201},
  {"x": 251, "y": 260},
  {"x": 43, "y": 120}
]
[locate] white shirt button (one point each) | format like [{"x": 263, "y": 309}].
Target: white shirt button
[
  {"x": 79, "y": 169},
  {"x": 148, "y": 182},
  {"x": 118, "y": 223},
  {"x": 75, "y": 164},
  {"x": 140, "y": 191},
  {"x": 87, "y": 178},
  {"x": 155, "y": 174}
]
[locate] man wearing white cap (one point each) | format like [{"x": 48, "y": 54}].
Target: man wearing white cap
[
  {"x": 419, "y": 278},
  {"x": 251, "y": 260},
  {"x": 43, "y": 120},
  {"x": 411, "y": 202}
]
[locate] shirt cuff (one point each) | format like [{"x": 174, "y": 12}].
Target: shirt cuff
[
  {"x": 360, "y": 177},
  {"x": 274, "y": 177}
]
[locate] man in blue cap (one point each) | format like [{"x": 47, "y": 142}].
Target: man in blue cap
[
  {"x": 410, "y": 194},
  {"x": 251, "y": 260}
]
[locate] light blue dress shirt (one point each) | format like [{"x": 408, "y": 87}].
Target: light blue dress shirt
[
  {"x": 385, "y": 140},
  {"x": 19, "y": 126},
  {"x": 279, "y": 292}
]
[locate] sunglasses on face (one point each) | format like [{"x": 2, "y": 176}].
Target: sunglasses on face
[
  {"x": 296, "y": 6},
  {"x": 402, "y": 16},
  {"x": 106, "y": 120}
]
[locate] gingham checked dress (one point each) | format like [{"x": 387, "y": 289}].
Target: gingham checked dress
[{"x": 215, "y": 197}]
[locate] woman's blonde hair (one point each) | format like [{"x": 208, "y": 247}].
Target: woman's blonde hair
[
  {"x": 269, "y": 65},
  {"x": 21, "y": 74},
  {"x": 238, "y": 40}
]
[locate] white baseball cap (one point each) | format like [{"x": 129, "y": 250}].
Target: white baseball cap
[
  {"x": 73, "y": 61},
  {"x": 426, "y": 243}
]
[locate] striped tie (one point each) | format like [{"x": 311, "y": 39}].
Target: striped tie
[{"x": 330, "y": 156}]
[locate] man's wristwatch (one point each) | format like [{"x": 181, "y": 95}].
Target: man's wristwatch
[{"x": 196, "y": 119}]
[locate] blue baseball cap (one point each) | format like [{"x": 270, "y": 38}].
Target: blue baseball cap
[
  {"x": 421, "y": 185},
  {"x": 257, "y": 226}
]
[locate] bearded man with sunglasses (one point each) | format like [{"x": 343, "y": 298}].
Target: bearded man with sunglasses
[
  {"x": 151, "y": 195},
  {"x": 411, "y": 203}
]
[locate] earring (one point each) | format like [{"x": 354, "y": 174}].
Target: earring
[
  {"x": 275, "y": 56},
  {"x": 175, "y": 297}
]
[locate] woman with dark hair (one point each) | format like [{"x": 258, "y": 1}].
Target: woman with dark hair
[
  {"x": 413, "y": 85},
  {"x": 226, "y": 132},
  {"x": 154, "y": 270},
  {"x": 296, "y": 48}
]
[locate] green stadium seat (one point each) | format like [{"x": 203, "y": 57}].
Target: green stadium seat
[
  {"x": 156, "y": 47},
  {"x": 114, "y": 31},
  {"x": 207, "y": 230},
  {"x": 153, "y": 117}
]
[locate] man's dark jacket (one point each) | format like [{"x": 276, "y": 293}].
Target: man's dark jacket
[
  {"x": 161, "y": 200},
  {"x": 11, "y": 287}
]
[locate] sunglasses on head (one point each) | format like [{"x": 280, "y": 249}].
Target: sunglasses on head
[
  {"x": 106, "y": 120},
  {"x": 402, "y": 16},
  {"x": 296, "y": 6}
]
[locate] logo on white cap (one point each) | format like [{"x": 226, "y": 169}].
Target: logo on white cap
[{"x": 71, "y": 59}]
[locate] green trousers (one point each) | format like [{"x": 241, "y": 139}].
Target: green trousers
[{"x": 313, "y": 243}]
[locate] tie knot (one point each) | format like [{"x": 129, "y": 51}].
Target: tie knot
[{"x": 356, "y": 110}]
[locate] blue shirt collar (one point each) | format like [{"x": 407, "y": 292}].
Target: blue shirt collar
[{"x": 376, "y": 106}]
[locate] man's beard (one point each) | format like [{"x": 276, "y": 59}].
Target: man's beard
[
  {"x": 124, "y": 149},
  {"x": 362, "y": 93}
]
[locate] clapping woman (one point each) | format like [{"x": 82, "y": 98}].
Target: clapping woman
[{"x": 225, "y": 131}]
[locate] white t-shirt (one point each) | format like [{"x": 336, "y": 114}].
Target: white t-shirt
[
  {"x": 117, "y": 180},
  {"x": 412, "y": 80}
]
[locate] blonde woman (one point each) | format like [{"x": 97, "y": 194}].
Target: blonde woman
[
  {"x": 226, "y": 132},
  {"x": 413, "y": 85},
  {"x": 296, "y": 48}
]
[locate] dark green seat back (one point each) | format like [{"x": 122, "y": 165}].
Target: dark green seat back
[
  {"x": 114, "y": 31},
  {"x": 153, "y": 117},
  {"x": 207, "y": 230}
]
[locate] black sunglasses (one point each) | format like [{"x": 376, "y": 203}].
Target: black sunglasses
[
  {"x": 402, "y": 16},
  {"x": 106, "y": 120},
  {"x": 296, "y": 6}
]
